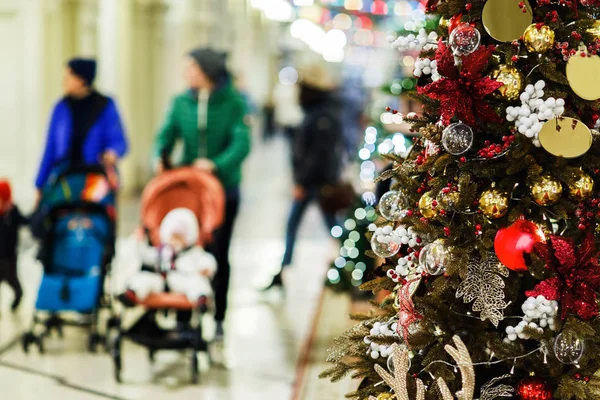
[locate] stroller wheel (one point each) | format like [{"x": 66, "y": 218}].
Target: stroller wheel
[
  {"x": 93, "y": 342},
  {"x": 40, "y": 344},
  {"x": 26, "y": 340},
  {"x": 117, "y": 360},
  {"x": 151, "y": 354},
  {"x": 195, "y": 369},
  {"x": 116, "y": 354}
]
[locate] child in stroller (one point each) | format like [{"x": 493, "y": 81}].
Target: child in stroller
[
  {"x": 179, "y": 264},
  {"x": 180, "y": 209}
]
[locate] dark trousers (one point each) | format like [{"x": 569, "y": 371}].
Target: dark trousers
[
  {"x": 219, "y": 248},
  {"x": 294, "y": 220},
  {"x": 8, "y": 274}
]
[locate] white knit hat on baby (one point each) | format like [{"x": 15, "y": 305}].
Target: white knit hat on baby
[{"x": 180, "y": 221}]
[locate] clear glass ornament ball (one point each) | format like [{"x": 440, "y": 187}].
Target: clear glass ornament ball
[
  {"x": 568, "y": 348},
  {"x": 433, "y": 258},
  {"x": 393, "y": 205},
  {"x": 384, "y": 250},
  {"x": 457, "y": 138},
  {"x": 464, "y": 39}
]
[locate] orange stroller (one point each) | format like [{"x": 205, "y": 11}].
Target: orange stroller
[{"x": 202, "y": 193}]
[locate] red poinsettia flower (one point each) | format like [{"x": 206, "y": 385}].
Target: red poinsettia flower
[
  {"x": 578, "y": 277},
  {"x": 461, "y": 92}
]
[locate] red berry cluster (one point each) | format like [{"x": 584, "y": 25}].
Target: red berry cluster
[
  {"x": 585, "y": 215},
  {"x": 580, "y": 377},
  {"x": 514, "y": 58},
  {"x": 543, "y": 2},
  {"x": 423, "y": 188},
  {"x": 468, "y": 6},
  {"x": 478, "y": 230},
  {"x": 568, "y": 3},
  {"x": 492, "y": 149},
  {"x": 552, "y": 16},
  {"x": 393, "y": 111},
  {"x": 523, "y": 7},
  {"x": 393, "y": 275}
]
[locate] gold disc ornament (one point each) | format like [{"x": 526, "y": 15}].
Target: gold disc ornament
[
  {"x": 565, "y": 137},
  {"x": 504, "y": 20},
  {"x": 580, "y": 186},
  {"x": 583, "y": 74},
  {"x": 493, "y": 203},
  {"x": 513, "y": 80},
  {"x": 545, "y": 190},
  {"x": 426, "y": 205},
  {"x": 538, "y": 40}
]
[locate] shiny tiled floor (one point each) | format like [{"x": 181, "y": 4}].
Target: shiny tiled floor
[{"x": 265, "y": 333}]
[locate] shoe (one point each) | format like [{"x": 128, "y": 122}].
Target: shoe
[
  {"x": 219, "y": 331},
  {"x": 128, "y": 299},
  {"x": 276, "y": 281}
]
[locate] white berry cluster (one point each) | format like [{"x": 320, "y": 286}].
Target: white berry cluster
[
  {"x": 384, "y": 234},
  {"x": 425, "y": 66},
  {"x": 536, "y": 309},
  {"x": 418, "y": 42},
  {"x": 406, "y": 236},
  {"x": 534, "y": 110},
  {"x": 380, "y": 329}
]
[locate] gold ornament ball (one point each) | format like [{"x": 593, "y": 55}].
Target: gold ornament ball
[
  {"x": 385, "y": 396},
  {"x": 448, "y": 201},
  {"x": 443, "y": 23},
  {"x": 494, "y": 203},
  {"x": 581, "y": 186},
  {"x": 595, "y": 30},
  {"x": 545, "y": 190},
  {"x": 513, "y": 79},
  {"x": 538, "y": 40},
  {"x": 428, "y": 210}
]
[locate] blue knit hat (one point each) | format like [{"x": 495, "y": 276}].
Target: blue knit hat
[{"x": 85, "y": 68}]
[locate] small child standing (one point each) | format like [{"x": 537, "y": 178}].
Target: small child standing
[
  {"x": 11, "y": 220},
  {"x": 179, "y": 263}
]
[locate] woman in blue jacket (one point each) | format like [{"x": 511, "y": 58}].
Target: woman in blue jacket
[{"x": 85, "y": 127}]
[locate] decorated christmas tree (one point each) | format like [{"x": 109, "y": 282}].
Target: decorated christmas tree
[{"x": 490, "y": 231}]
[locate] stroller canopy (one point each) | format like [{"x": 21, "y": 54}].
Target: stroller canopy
[
  {"x": 79, "y": 187},
  {"x": 188, "y": 188}
]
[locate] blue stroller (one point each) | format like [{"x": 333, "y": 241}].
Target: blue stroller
[{"x": 76, "y": 225}]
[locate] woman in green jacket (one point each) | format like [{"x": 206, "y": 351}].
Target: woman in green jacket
[{"x": 209, "y": 118}]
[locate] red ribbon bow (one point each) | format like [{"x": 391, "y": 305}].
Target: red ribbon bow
[{"x": 578, "y": 276}]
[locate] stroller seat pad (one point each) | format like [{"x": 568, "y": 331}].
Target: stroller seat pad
[{"x": 168, "y": 300}]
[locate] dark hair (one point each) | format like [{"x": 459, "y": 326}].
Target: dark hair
[
  {"x": 85, "y": 68},
  {"x": 212, "y": 62}
]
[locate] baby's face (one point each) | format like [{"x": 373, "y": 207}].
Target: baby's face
[{"x": 177, "y": 242}]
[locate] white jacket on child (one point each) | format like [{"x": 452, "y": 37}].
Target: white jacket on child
[
  {"x": 186, "y": 272},
  {"x": 188, "y": 276}
]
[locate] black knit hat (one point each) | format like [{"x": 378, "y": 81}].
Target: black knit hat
[
  {"x": 212, "y": 62},
  {"x": 85, "y": 68}
]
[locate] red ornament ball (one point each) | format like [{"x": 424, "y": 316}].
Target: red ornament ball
[
  {"x": 454, "y": 22},
  {"x": 512, "y": 242},
  {"x": 534, "y": 388}
]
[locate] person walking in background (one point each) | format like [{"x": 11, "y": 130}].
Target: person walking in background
[
  {"x": 11, "y": 220},
  {"x": 85, "y": 127},
  {"x": 209, "y": 118},
  {"x": 287, "y": 111},
  {"x": 317, "y": 150}
]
